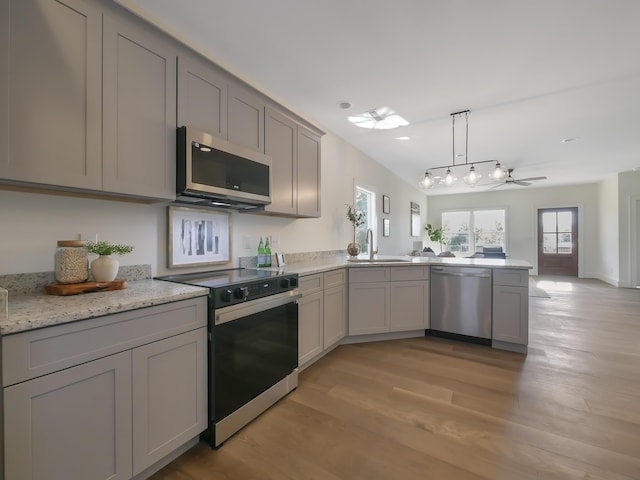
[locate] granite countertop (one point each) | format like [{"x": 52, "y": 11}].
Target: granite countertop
[
  {"x": 309, "y": 268},
  {"x": 29, "y": 311}
]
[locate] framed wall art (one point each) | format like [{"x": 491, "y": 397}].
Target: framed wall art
[
  {"x": 385, "y": 227},
  {"x": 198, "y": 236},
  {"x": 386, "y": 204}
]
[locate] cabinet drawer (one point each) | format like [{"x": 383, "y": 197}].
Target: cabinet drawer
[
  {"x": 311, "y": 283},
  {"x": 367, "y": 274},
  {"x": 511, "y": 277},
  {"x": 38, "y": 352},
  {"x": 401, "y": 274},
  {"x": 335, "y": 278}
]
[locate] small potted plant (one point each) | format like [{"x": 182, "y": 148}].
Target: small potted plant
[
  {"x": 105, "y": 267},
  {"x": 357, "y": 218},
  {"x": 436, "y": 235}
]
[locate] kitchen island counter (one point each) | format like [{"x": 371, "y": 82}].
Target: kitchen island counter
[
  {"x": 38, "y": 310},
  {"x": 310, "y": 268}
]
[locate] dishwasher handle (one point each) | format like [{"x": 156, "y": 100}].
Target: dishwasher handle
[{"x": 442, "y": 271}]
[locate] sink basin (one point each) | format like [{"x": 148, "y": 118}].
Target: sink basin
[{"x": 378, "y": 260}]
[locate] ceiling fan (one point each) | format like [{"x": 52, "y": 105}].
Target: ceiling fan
[{"x": 524, "y": 182}]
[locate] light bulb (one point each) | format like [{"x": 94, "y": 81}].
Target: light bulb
[
  {"x": 427, "y": 181},
  {"x": 472, "y": 177},
  {"x": 498, "y": 173},
  {"x": 450, "y": 178}
]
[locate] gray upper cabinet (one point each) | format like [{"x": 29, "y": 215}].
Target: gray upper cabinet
[
  {"x": 245, "y": 118},
  {"x": 202, "y": 97},
  {"x": 295, "y": 176},
  {"x": 51, "y": 81},
  {"x": 308, "y": 173},
  {"x": 139, "y": 111},
  {"x": 281, "y": 141}
]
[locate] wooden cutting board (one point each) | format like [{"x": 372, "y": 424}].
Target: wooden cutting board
[{"x": 87, "y": 287}]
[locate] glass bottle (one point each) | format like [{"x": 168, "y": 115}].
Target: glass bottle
[
  {"x": 260, "y": 259},
  {"x": 267, "y": 253}
]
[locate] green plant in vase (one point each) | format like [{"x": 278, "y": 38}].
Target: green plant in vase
[
  {"x": 436, "y": 235},
  {"x": 105, "y": 267},
  {"x": 357, "y": 218}
]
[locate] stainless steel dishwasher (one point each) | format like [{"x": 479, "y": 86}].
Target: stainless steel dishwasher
[{"x": 461, "y": 303}]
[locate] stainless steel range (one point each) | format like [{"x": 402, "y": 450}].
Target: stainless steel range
[{"x": 253, "y": 343}]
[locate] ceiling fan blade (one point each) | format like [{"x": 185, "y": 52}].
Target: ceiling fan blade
[
  {"x": 520, "y": 182},
  {"x": 496, "y": 186},
  {"x": 531, "y": 178}
]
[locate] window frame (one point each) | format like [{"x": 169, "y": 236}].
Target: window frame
[
  {"x": 371, "y": 218},
  {"x": 471, "y": 226}
]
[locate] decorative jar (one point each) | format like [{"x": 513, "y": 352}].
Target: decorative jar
[{"x": 71, "y": 262}]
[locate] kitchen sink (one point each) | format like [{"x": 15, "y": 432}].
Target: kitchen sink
[{"x": 379, "y": 260}]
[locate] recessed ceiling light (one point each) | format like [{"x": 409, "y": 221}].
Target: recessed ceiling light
[
  {"x": 568, "y": 140},
  {"x": 344, "y": 105},
  {"x": 403, "y": 138}
]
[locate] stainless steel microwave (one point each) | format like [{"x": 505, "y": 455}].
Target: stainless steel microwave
[{"x": 214, "y": 172}]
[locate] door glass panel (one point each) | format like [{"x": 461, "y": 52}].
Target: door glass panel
[
  {"x": 564, "y": 222},
  {"x": 564, "y": 243},
  {"x": 549, "y": 222},
  {"x": 549, "y": 243}
]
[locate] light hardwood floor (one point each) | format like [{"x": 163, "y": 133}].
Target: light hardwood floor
[{"x": 435, "y": 409}]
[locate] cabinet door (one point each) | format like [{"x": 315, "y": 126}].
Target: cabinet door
[
  {"x": 139, "y": 151},
  {"x": 75, "y": 423},
  {"x": 368, "y": 308},
  {"x": 245, "y": 118},
  {"x": 280, "y": 144},
  {"x": 310, "y": 326},
  {"x": 50, "y": 93},
  {"x": 308, "y": 173},
  {"x": 335, "y": 315},
  {"x": 169, "y": 395},
  {"x": 409, "y": 306},
  {"x": 202, "y": 97},
  {"x": 511, "y": 314}
]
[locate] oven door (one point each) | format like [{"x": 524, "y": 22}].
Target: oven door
[{"x": 255, "y": 345}]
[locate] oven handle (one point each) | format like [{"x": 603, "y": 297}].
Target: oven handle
[{"x": 234, "y": 312}]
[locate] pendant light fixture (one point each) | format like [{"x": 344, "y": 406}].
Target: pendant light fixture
[{"x": 472, "y": 177}]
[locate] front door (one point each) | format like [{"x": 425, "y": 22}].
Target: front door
[{"x": 558, "y": 241}]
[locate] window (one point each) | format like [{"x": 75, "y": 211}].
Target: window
[
  {"x": 557, "y": 229},
  {"x": 366, "y": 203},
  {"x": 470, "y": 231}
]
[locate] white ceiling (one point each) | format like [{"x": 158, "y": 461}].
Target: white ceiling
[{"x": 531, "y": 72}]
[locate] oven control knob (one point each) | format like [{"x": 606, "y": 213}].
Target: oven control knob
[
  {"x": 242, "y": 292},
  {"x": 226, "y": 296}
]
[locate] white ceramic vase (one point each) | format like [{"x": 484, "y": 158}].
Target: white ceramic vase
[{"x": 104, "y": 268}]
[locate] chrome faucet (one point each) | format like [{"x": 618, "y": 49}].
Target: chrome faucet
[{"x": 372, "y": 252}]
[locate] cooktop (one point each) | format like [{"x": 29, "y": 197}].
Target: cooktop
[{"x": 223, "y": 278}]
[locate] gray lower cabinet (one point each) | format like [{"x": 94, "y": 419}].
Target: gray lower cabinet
[
  {"x": 335, "y": 307},
  {"x": 104, "y": 398},
  {"x": 51, "y": 93},
  {"x": 389, "y": 299},
  {"x": 310, "y": 317},
  {"x": 322, "y": 313},
  {"x": 169, "y": 395},
  {"x": 510, "y": 309},
  {"x": 75, "y": 423},
  {"x": 295, "y": 151}
]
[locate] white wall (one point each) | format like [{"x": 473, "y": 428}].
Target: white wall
[
  {"x": 31, "y": 223},
  {"x": 628, "y": 195},
  {"x": 521, "y": 205},
  {"x": 608, "y": 231}
]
